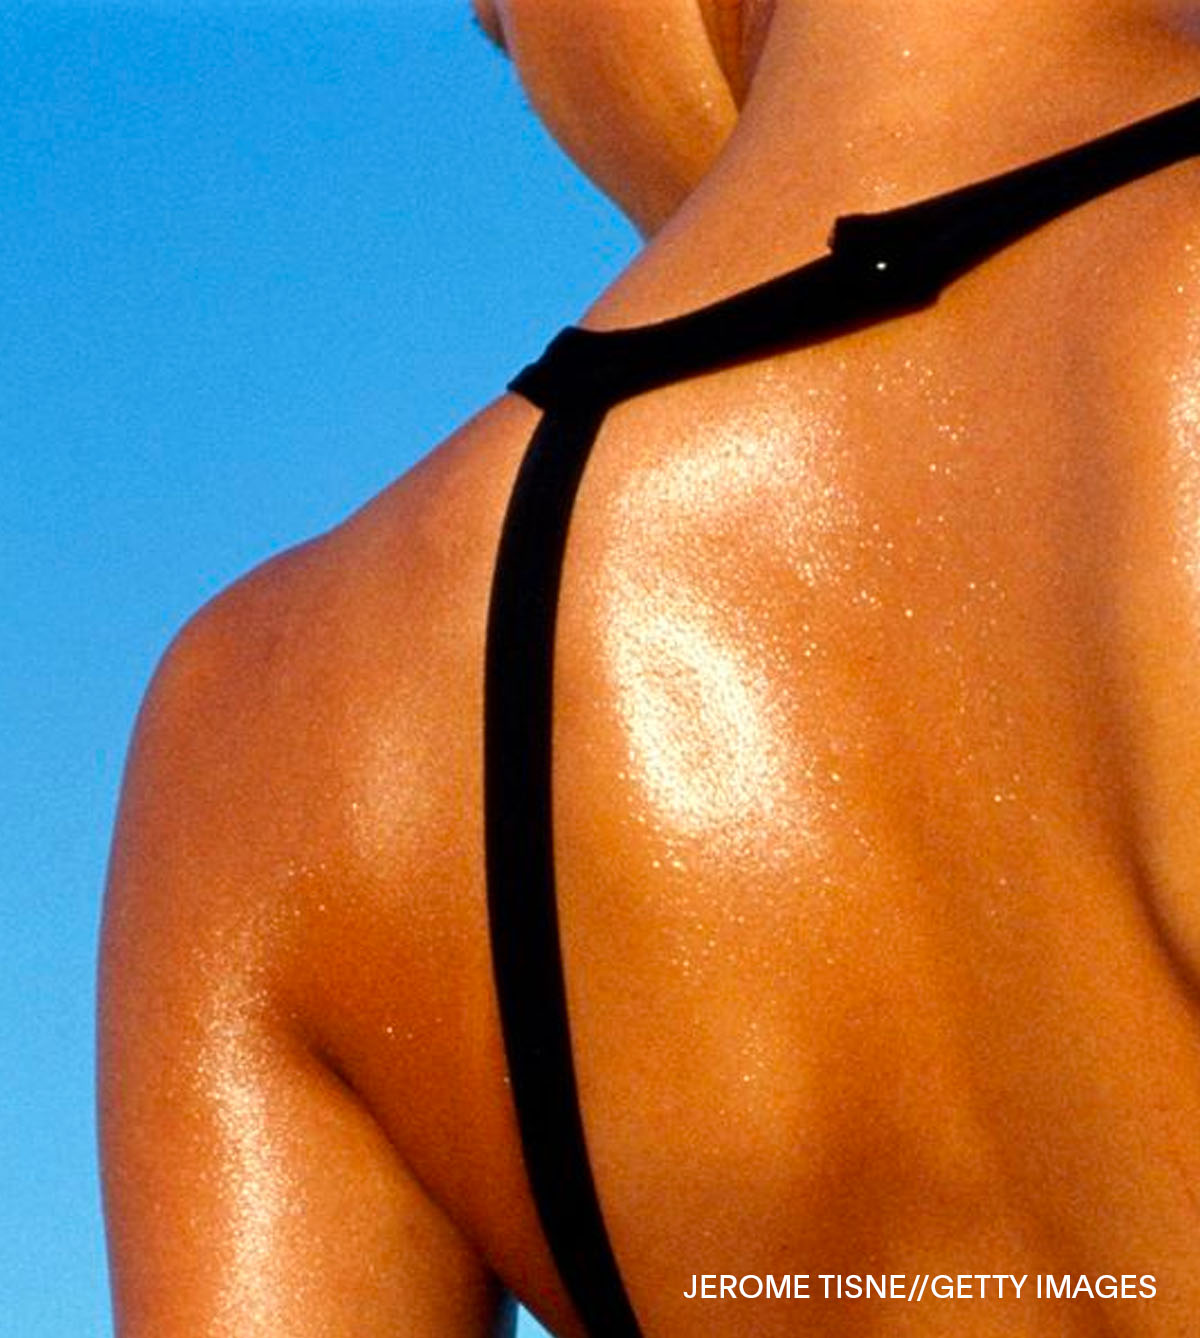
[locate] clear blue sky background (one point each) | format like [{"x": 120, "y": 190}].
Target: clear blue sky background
[{"x": 255, "y": 259}]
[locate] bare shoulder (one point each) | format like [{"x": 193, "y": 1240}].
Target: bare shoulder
[
  {"x": 289, "y": 654},
  {"x": 314, "y": 729},
  {"x": 294, "y": 924}
]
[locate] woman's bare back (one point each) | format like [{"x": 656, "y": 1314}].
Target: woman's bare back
[{"x": 875, "y": 753}]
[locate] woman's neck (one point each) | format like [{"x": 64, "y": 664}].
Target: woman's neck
[
  {"x": 868, "y": 104},
  {"x": 861, "y": 105}
]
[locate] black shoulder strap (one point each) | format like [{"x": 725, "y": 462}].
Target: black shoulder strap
[{"x": 879, "y": 266}]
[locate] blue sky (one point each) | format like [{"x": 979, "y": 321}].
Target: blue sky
[{"x": 255, "y": 260}]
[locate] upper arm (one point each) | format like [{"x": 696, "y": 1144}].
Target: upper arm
[{"x": 248, "y": 1190}]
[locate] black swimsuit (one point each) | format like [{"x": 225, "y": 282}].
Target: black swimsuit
[{"x": 879, "y": 266}]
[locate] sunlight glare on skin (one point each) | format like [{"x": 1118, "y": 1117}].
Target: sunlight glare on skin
[
  {"x": 704, "y": 732},
  {"x": 258, "y": 1194},
  {"x": 711, "y": 735},
  {"x": 1185, "y": 437}
]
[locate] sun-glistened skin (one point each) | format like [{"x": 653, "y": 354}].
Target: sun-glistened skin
[{"x": 877, "y": 751}]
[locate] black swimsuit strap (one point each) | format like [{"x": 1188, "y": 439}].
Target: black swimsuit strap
[{"x": 879, "y": 266}]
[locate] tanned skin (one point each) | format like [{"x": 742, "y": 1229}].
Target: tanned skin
[{"x": 877, "y": 749}]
